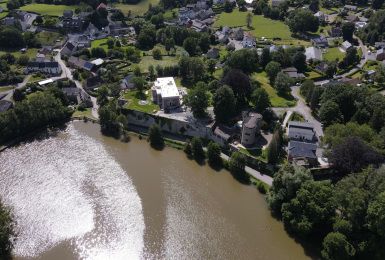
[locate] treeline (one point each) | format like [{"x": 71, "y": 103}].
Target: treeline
[
  {"x": 375, "y": 29},
  {"x": 7, "y": 232},
  {"x": 41, "y": 109},
  {"x": 346, "y": 217}
]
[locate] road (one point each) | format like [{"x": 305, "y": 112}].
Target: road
[
  {"x": 302, "y": 109},
  {"x": 67, "y": 73},
  {"x": 256, "y": 174},
  {"x": 9, "y": 93}
]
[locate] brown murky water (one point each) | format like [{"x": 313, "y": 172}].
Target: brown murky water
[{"x": 80, "y": 195}]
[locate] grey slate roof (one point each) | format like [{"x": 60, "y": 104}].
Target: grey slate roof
[
  {"x": 298, "y": 149},
  {"x": 301, "y": 131},
  {"x": 5, "y": 105}
]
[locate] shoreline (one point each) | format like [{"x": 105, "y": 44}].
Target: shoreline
[{"x": 170, "y": 142}]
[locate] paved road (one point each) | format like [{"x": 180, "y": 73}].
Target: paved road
[
  {"x": 9, "y": 93},
  {"x": 256, "y": 174},
  {"x": 67, "y": 73}
]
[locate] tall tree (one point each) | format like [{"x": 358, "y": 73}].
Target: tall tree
[
  {"x": 155, "y": 137},
  {"x": 348, "y": 30},
  {"x": 260, "y": 99},
  {"x": 198, "y": 100},
  {"x": 224, "y": 104}
]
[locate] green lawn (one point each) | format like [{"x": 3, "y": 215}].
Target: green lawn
[
  {"x": 138, "y": 9},
  {"x": 85, "y": 113},
  {"x": 275, "y": 99},
  {"x": 45, "y": 9},
  {"x": 261, "y": 27},
  {"x": 6, "y": 88},
  {"x": 149, "y": 60},
  {"x": 3, "y": 14},
  {"x": 100, "y": 43},
  {"x": 31, "y": 53},
  {"x": 333, "y": 54},
  {"x": 133, "y": 97},
  {"x": 48, "y": 38},
  {"x": 36, "y": 78}
]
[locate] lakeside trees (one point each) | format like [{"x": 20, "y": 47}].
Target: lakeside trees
[
  {"x": 224, "y": 104},
  {"x": 6, "y": 232},
  {"x": 347, "y": 216},
  {"x": 155, "y": 137},
  {"x": 40, "y": 110}
]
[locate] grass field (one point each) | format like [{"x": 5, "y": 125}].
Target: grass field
[
  {"x": 100, "y": 43},
  {"x": 261, "y": 27},
  {"x": 44, "y": 9},
  {"x": 138, "y": 9},
  {"x": 149, "y": 60},
  {"x": 6, "y": 88},
  {"x": 133, "y": 98},
  {"x": 333, "y": 53},
  {"x": 31, "y": 53},
  {"x": 85, "y": 113},
  {"x": 48, "y": 38},
  {"x": 275, "y": 99}
]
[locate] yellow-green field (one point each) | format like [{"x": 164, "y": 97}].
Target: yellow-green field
[
  {"x": 45, "y": 9},
  {"x": 138, "y": 9},
  {"x": 261, "y": 26}
]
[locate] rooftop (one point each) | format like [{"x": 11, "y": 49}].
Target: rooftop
[
  {"x": 167, "y": 87},
  {"x": 301, "y": 149},
  {"x": 250, "y": 119}
]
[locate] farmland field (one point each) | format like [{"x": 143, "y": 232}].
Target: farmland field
[
  {"x": 138, "y": 9},
  {"x": 44, "y": 9},
  {"x": 261, "y": 26}
]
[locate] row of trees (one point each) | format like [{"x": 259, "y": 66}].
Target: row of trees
[{"x": 347, "y": 216}]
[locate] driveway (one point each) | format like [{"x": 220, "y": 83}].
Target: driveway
[{"x": 303, "y": 109}]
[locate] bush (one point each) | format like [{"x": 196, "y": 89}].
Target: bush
[{"x": 261, "y": 187}]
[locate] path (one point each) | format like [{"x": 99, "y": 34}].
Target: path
[
  {"x": 9, "y": 93},
  {"x": 302, "y": 109},
  {"x": 67, "y": 73},
  {"x": 256, "y": 174}
]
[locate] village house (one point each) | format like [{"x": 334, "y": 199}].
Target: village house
[
  {"x": 251, "y": 126},
  {"x": 352, "y": 8},
  {"x": 79, "y": 63},
  {"x": 77, "y": 96},
  {"x": 238, "y": 34},
  {"x": 293, "y": 73},
  {"x": 68, "y": 49},
  {"x": 320, "y": 42},
  {"x": 213, "y": 53},
  {"x": 379, "y": 45},
  {"x": 302, "y": 153},
  {"x": 345, "y": 46},
  {"x": 302, "y": 146},
  {"x": 165, "y": 93},
  {"x": 92, "y": 83},
  {"x": 71, "y": 23},
  {"x": 380, "y": 55},
  {"x": 127, "y": 82},
  {"x": 248, "y": 41},
  {"x": 352, "y": 18},
  {"x": 118, "y": 28},
  {"x": 313, "y": 53},
  {"x": 335, "y": 32},
  {"x": 45, "y": 66},
  {"x": 301, "y": 131},
  {"x": 321, "y": 16}
]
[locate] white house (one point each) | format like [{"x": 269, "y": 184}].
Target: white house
[
  {"x": 47, "y": 67},
  {"x": 165, "y": 93},
  {"x": 313, "y": 53}
]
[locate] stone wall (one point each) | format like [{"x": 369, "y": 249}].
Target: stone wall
[{"x": 173, "y": 126}]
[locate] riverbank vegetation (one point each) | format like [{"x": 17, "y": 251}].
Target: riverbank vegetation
[
  {"x": 6, "y": 232},
  {"x": 345, "y": 218},
  {"x": 39, "y": 110}
]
